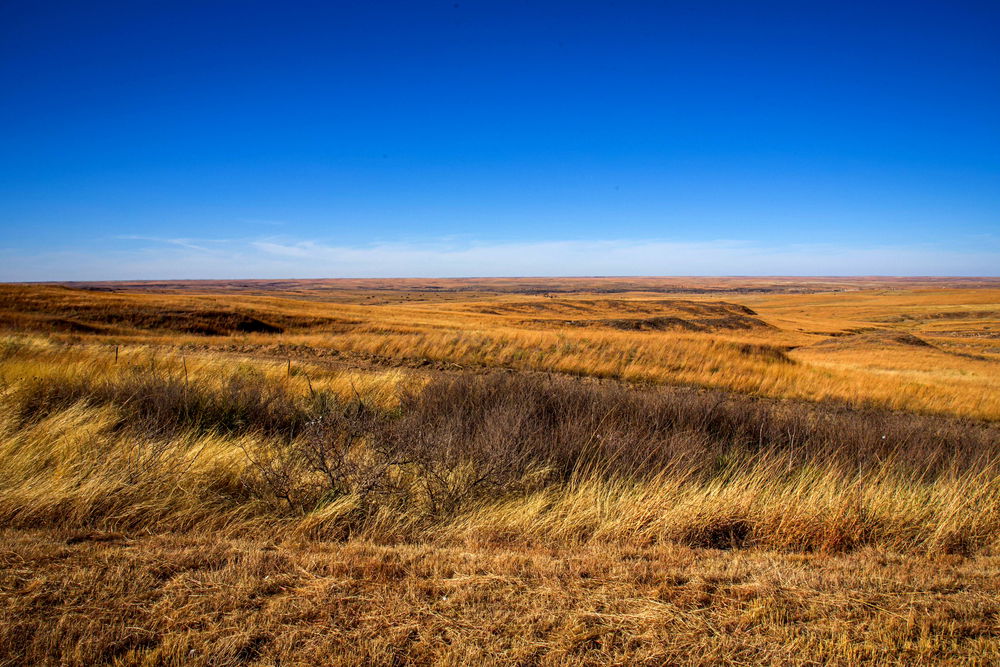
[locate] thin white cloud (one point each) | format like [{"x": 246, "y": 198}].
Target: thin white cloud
[
  {"x": 193, "y": 244},
  {"x": 289, "y": 258}
]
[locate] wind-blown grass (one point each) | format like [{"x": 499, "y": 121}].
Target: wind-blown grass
[
  {"x": 479, "y": 458},
  {"x": 184, "y": 506}
]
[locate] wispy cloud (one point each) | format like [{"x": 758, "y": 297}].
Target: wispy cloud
[
  {"x": 272, "y": 257},
  {"x": 192, "y": 244}
]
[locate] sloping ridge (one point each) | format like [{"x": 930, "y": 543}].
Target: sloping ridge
[
  {"x": 647, "y": 315},
  {"x": 873, "y": 339}
]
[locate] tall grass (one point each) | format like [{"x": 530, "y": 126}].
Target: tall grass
[
  {"x": 749, "y": 364},
  {"x": 242, "y": 447}
]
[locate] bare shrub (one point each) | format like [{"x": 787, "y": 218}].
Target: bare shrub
[{"x": 340, "y": 452}]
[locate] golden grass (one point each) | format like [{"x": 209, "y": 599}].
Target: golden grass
[
  {"x": 80, "y": 464},
  {"x": 957, "y": 373},
  {"x": 70, "y": 469},
  {"x": 767, "y": 561},
  {"x": 141, "y": 526}
]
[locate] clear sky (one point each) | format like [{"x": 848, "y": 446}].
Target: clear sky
[{"x": 167, "y": 139}]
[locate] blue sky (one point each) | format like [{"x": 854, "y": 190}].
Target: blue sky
[{"x": 149, "y": 139}]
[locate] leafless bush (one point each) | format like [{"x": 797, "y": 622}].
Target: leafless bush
[
  {"x": 341, "y": 451},
  {"x": 463, "y": 447}
]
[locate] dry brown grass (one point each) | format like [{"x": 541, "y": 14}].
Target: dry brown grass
[
  {"x": 143, "y": 443},
  {"x": 758, "y": 341},
  {"x": 85, "y": 598},
  {"x": 180, "y": 483}
]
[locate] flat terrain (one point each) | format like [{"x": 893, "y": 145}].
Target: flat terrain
[{"x": 528, "y": 471}]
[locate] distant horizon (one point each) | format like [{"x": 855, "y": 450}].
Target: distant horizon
[{"x": 514, "y": 277}]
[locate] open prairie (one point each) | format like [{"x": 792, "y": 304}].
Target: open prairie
[
  {"x": 924, "y": 345},
  {"x": 530, "y": 471}
]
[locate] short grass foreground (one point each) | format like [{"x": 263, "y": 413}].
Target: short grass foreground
[
  {"x": 89, "y": 598},
  {"x": 158, "y": 510}
]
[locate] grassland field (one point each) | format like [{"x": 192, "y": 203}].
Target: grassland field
[{"x": 501, "y": 471}]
